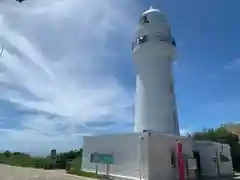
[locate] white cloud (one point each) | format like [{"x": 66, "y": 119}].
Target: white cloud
[
  {"x": 59, "y": 52},
  {"x": 235, "y": 64},
  {"x": 184, "y": 132}
]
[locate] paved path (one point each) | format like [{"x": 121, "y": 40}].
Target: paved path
[{"x": 19, "y": 173}]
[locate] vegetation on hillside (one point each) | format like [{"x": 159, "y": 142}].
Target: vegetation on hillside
[
  {"x": 71, "y": 161},
  {"x": 60, "y": 162},
  {"x": 233, "y": 127}
]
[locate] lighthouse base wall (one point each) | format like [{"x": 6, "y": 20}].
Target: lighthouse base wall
[{"x": 146, "y": 155}]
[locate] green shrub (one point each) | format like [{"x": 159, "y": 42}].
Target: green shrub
[
  {"x": 3, "y": 158},
  {"x": 20, "y": 160}
]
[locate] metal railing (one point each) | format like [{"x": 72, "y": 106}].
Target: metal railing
[{"x": 153, "y": 38}]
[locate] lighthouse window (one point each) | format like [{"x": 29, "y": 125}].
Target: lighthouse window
[
  {"x": 142, "y": 39},
  {"x": 144, "y": 20},
  {"x": 174, "y": 42}
]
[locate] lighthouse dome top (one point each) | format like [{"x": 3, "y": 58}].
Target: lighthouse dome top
[
  {"x": 152, "y": 10},
  {"x": 152, "y": 16}
]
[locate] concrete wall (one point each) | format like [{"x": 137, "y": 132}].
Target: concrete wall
[
  {"x": 225, "y": 168},
  {"x": 211, "y": 164},
  {"x": 208, "y": 158},
  {"x": 126, "y": 150},
  {"x": 149, "y": 158},
  {"x": 160, "y": 148}
]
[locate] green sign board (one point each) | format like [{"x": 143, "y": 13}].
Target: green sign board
[{"x": 101, "y": 158}]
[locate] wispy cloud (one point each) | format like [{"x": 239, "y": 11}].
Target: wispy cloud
[
  {"x": 54, "y": 69},
  {"x": 230, "y": 66},
  {"x": 235, "y": 64}
]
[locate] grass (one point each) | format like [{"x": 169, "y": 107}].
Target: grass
[
  {"x": 76, "y": 163},
  {"x": 3, "y": 158},
  {"x": 75, "y": 167},
  {"x": 24, "y": 160},
  {"x": 83, "y": 173},
  {"x": 17, "y": 160},
  {"x": 20, "y": 160}
]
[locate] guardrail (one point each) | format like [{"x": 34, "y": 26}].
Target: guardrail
[{"x": 146, "y": 38}]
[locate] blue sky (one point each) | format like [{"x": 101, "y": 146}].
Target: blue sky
[{"x": 67, "y": 70}]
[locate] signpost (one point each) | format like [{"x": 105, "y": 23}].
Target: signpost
[
  {"x": 53, "y": 154},
  {"x": 101, "y": 158},
  {"x": 106, "y": 159}
]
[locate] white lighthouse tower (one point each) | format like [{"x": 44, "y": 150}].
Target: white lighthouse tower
[
  {"x": 155, "y": 150},
  {"x": 153, "y": 55}
]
